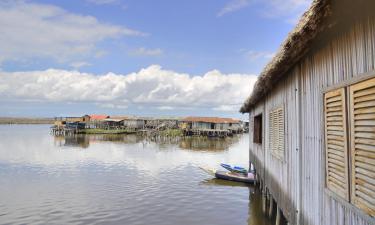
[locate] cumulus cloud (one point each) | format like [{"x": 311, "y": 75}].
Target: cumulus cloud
[
  {"x": 31, "y": 30},
  {"x": 147, "y": 52},
  {"x": 233, "y": 6},
  {"x": 152, "y": 86}
]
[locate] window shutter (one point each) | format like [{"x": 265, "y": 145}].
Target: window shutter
[
  {"x": 336, "y": 142},
  {"x": 362, "y": 112},
  {"x": 276, "y": 132},
  {"x": 280, "y": 146}
]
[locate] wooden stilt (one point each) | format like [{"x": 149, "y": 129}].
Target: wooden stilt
[
  {"x": 264, "y": 202},
  {"x": 278, "y": 216},
  {"x": 270, "y": 211}
]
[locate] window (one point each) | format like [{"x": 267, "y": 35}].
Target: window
[
  {"x": 276, "y": 132},
  {"x": 257, "y": 134},
  {"x": 350, "y": 143},
  {"x": 336, "y": 143}
]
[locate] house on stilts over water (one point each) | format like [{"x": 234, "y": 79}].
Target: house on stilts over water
[{"x": 312, "y": 118}]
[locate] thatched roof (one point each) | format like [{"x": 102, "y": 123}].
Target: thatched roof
[{"x": 295, "y": 46}]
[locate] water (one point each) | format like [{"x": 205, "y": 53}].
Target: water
[{"x": 109, "y": 179}]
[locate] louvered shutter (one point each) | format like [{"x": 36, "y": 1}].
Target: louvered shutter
[
  {"x": 280, "y": 124},
  {"x": 362, "y": 119},
  {"x": 276, "y": 132},
  {"x": 336, "y": 142}
]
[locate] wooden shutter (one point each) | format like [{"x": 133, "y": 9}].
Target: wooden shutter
[
  {"x": 276, "y": 132},
  {"x": 362, "y": 119},
  {"x": 336, "y": 143}
]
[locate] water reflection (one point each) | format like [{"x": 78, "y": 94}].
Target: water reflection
[
  {"x": 187, "y": 143},
  {"x": 106, "y": 179}
]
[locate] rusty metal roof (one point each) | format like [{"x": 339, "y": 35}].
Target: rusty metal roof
[{"x": 98, "y": 117}]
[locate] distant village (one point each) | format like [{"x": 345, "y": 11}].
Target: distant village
[{"x": 164, "y": 126}]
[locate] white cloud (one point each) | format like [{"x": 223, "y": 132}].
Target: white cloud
[
  {"x": 31, "y": 30},
  {"x": 77, "y": 65},
  {"x": 152, "y": 86},
  {"x": 165, "y": 108},
  {"x": 102, "y": 2},
  {"x": 255, "y": 55},
  {"x": 290, "y": 9},
  {"x": 147, "y": 52},
  {"x": 232, "y": 6}
]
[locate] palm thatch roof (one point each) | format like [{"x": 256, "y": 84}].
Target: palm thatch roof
[{"x": 296, "y": 45}]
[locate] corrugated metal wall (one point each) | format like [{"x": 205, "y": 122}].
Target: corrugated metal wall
[{"x": 301, "y": 94}]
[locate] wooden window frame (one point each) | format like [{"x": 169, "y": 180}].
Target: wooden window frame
[
  {"x": 346, "y": 85},
  {"x": 258, "y": 129}
]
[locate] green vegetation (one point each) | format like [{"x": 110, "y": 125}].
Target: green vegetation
[
  {"x": 171, "y": 133},
  {"x": 104, "y": 131}
]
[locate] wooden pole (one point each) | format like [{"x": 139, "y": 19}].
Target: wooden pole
[
  {"x": 264, "y": 202},
  {"x": 270, "y": 212},
  {"x": 278, "y": 216}
]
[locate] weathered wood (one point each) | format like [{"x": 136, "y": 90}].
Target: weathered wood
[
  {"x": 298, "y": 182},
  {"x": 278, "y": 216},
  {"x": 270, "y": 211}
]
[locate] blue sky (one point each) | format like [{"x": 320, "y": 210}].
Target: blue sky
[{"x": 161, "y": 57}]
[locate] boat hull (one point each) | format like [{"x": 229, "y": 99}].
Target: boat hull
[{"x": 234, "y": 177}]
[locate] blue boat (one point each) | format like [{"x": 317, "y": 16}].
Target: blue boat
[{"x": 234, "y": 169}]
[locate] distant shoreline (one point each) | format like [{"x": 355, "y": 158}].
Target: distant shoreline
[{"x": 25, "y": 120}]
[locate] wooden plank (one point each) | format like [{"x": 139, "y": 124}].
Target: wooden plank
[
  {"x": 337, "y": 133},
  {"x": 363, "y": 110},
  {"x": 336, "y": 152},
  {"x": 364, "y": 129},
  {"x": 370, "y": 116},
  {"x": 366, "y": 160},
  {"x": 366, "y": 154},
  {"x": 334, "y": 99},
  {"x": 335, "y": 128},
  {"x": 334, "y": 142},
  {"x": 334, "y": 104},
  {"x": 369, "y": 148},
  {"x": 363, "y": 178},
  {"x": 367, "y": 104},
  {"x": 335, "y": 147},
  {"x": 335, "y": 123},
  {"x": 365, "y": 98},
  {"x": 335, "y": 137},
  {"x": 367, "y": 123},
  {"x": 367, "y": 86},
  {"x": 335, "y": 118},
  {"x": 338, "y": 113},
  {"x": 364, "y": 141},
  {"x": 364, "y": 171},
  {"x": 363, "y": 135},
  {"x": 334, "y": 109},
  {"x": 335, "y": 156}
]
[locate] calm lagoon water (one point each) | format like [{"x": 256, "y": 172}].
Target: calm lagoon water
[{"x": 107, "y": 179}]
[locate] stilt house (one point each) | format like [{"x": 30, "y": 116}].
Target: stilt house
[{"x": 312, "y": 117}]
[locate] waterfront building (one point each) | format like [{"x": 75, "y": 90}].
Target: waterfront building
[{"x": 312, "y": 118}]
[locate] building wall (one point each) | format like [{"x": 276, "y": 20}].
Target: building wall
[{"x": 298, "y": 181}]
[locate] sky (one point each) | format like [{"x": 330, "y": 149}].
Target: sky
[{"x": 137, "y": 57}]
